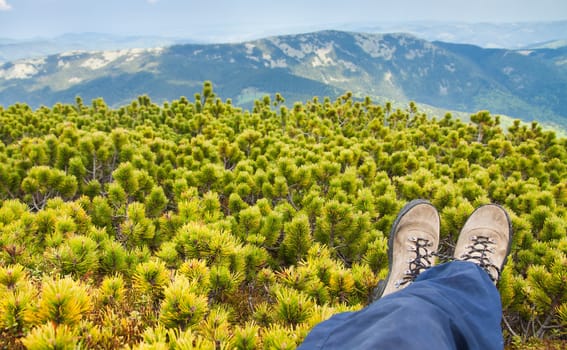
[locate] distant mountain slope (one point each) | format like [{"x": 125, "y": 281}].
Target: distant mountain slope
[
  {"x": 11, "y": 50},
  {"x": 527, "y": 84},
  {"x": 510, "y": 35}
]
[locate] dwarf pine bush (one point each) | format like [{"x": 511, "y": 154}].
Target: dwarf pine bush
[
  {"x": 216, "y": 326},
  {"x": 341, "y": 285},
  {"x": 292, "y": 307},
  {"x": 112, "y": 291},
  {"x": 11, "y": 277},
  {"x": 113, "y": 257},
  {"x": 16, "y": 305},
  {"x": 182, "y": 306},
  {"x": 246, "y": 337},
  {"x": 49, "y": 336},
  {"x": 223, "y": 283},
  {"x": 77, "y": 256},
  {"x": 297, "y": 239},
  {"x": 196, "y": 224},
  {"x": 279, "y": 337},
  {"x": 62, "y": 302},
  {"x": 149, "y": 280}
]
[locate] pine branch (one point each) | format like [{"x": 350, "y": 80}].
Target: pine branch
[
  {"x": 545, "y": 325},
  {"x": 510, "y": 329},
  {"x": 290, "y": 200}
]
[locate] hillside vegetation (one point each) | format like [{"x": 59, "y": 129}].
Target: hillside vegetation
[
  {"x": 528, "y": 84},
  {"x": 197, "y": 225}
]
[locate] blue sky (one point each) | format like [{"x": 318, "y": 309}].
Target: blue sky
[{"x": 228, "y": 20}]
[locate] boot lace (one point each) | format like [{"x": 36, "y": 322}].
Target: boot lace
[
  {"x": 422, "y": 261},
  {"x": 478, "y": 252}
]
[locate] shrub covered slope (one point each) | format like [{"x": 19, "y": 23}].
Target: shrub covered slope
[{"x": 196, "y": 225}]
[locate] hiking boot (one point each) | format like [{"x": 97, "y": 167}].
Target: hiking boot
[
  {"x": 414, "y": 239},
  {"x": 485, "y": 239}
]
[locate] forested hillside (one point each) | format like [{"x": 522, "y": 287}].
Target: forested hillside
[
  {"x": 198, "y": 225},
  {"x": 528, "y": 84}
]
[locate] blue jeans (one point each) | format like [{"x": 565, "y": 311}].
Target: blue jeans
[{"x": 449, "y": 306}]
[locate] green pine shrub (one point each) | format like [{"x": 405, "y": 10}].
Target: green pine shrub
[
  {"x": 263, "y": 314},
  {"x": 11, "y": 277},
  {"x": 150, "y": 280},
  {"x": 223, "y": 283},
  {"x": 112, "y": 291},
  {"x": 63, "y": 302},
  {"x": 279, "y": 337},
  {"x": 197, "y": 272},
  {"x": 137, "y": 229},
  {"x": 297, "y": 239},
  {"x": 216, "y": 326},
  {"x": 43, "y": 183},
  {"x": 246, "y": 337},
  {"x": 182, "y": 307},
  {"x": 49, "y": 336},
  {"x": 277, "y": 217},
  {"x": 113, "y": 257},
  {"x": 76, "y": 256},
  {"x": 17, "y": 298},
  {"x": 292, "y": 307}
]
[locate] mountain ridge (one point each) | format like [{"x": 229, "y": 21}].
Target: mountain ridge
[
  {"x": 13, "y": 49},
  {"x": 509, "y": 35},
  {"x": 525, "y": 84}
]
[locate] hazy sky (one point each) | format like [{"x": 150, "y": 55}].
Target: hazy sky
[{"x": 228, "y": 20}]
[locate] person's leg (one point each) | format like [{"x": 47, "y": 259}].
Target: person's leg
[
  {"x": 450, "y": 306},
  {"x": 413, "y": 240}
]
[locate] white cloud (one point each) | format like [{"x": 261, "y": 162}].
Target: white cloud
[
  {"x": 151, "y": 2},
  {"x": 4, "y": 6}
]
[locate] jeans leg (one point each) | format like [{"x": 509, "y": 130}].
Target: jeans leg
[{"x": 449, "y": 306}]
